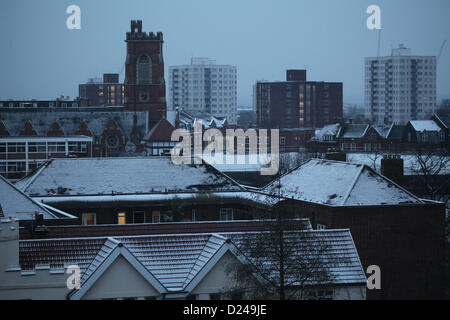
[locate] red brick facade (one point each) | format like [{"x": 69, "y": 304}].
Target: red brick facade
[{"x": 150, "y": 95}]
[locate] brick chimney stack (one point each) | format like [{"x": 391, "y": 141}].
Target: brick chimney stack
[{"x": 392, "y": 168}]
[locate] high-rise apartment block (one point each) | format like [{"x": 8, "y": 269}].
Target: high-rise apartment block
[
  {"x": 400, "y": 87},
  {"x": 204, "y": 86}
]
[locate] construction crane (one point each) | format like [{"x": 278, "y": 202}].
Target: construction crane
[{"x": 440, "y": 51}]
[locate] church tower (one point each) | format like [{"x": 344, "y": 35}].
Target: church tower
[{"x": 145, "y": 88}]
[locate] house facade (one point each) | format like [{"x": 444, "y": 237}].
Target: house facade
[{"x": 163, "y": 266}]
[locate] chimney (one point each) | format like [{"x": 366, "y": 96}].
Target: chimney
[{"x": 392, "y": 168}]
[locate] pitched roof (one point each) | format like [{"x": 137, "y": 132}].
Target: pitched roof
[
  {"x": 17, "y": 204},
  {"x": 383, "y": 131},
  {"x": 69, "y": 121},
  {"x": 106, "y": 176},
  {"x": 329, "y": 130},
  {"x": 339, "y": 184},
  {"x": 206, "y": 119},
  {"x": 425, "y": 125},
  {"x": 178, "y": 261},
  {"x": 162, "y": 131},
  {"x": 445, "y": 119},
  {"x": 396, "y": 132},
  {"x": 334, "y": 248},
  {"x": 354, "y": 130}
]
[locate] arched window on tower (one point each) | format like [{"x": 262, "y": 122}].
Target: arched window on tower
[{"x": 144, "y": 70}]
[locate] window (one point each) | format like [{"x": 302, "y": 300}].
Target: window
[
  {"x": 321, "y": 227},
  {"x": 144, "y": 70},
  {"x": 2, "y": 147},
  {"x": 139, "y": 216},
  {"x": 112, "y": 141},
  {"x": 193, "y": 215},
  {"x": 283, "y": 141},
  {"x": 156, "y": 217},
  {"x": 88, "y": 219},
  {"x": 36, "y": 147},
  {"x": 16, "y": 147},
  {"x": 121, "y": 218},
  {"x": 57, "y": 147},
  {"x": 226, "y": 214}
]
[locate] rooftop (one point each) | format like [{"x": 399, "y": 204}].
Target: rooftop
[
  {"x": 14, "y": 203},
  {"x": 340, "y": 184},
  {"x": 177, "y": 260},
  {"x": 138, "y": 175},
  {"x": 425, "y": 125}
]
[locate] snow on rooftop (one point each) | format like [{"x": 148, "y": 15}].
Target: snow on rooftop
[
  {"x": 410, "y": 162},
  {"x": 425, "y": 125},
  {"x": 106, "y": 176},
  {"x": 176, "y": 259},
  {"x": 18, "y": 205},
  {"x": 339, "y": 184}
]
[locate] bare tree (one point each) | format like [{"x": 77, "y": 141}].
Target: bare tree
[
  {"x": 431, "y": 167},
  {"x": 286, "y": 260},
  {"x": 374, "y": 156}
]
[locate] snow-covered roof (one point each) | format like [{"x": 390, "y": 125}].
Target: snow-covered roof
[
  {"x": 354, "y": 130},
  {"x": 178, "y": 261},
  {"x": 206, "y": 119},
  {"x": 411, "y": 163},
  {"x": 339, "y": 184},
  {"x": 329, "y": 130},
  {"x": 425, "y": 125},
  {"x": 115, "y": 176},
  {"x": 383, "y": 131},
  {"x": 18, "y": 205}
]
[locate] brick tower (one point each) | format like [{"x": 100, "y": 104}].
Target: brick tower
[{"x": 145, "y": 88}]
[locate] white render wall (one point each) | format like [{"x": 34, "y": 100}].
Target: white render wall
[
  {"x": 188, "y": 88},
  {"x": 398, "y": 109}
]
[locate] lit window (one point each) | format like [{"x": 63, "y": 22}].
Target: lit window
[
  {"x": 121, "y": 218},
  {"x": 88, "y": 219}
]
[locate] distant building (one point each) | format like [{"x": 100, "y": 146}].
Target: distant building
[
  {"x": 298, "y": 103},
  {"x": 400, "y": 87},
  {"x": 106, "y": 92},
  {"x": 415, "y": 135},
  {"x": 62, "y": 102},
  {"x": 204, "y": 86},
  {"x": 158, "y": 140},
  {"x": 29, "y": 137},
  {"x": 145, "y": 87}
]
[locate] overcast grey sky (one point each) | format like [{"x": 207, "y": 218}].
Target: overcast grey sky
[{"x": 40, "y": 58}]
